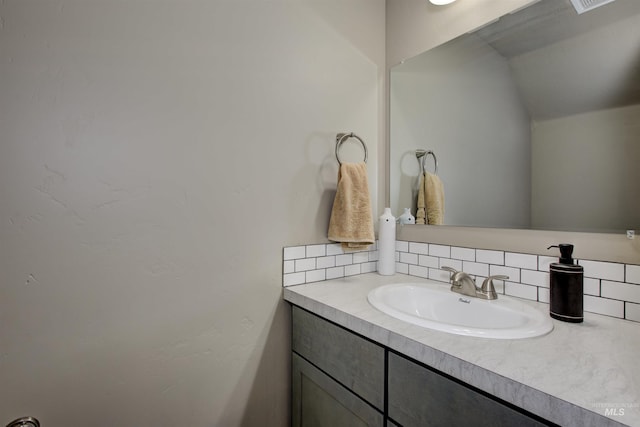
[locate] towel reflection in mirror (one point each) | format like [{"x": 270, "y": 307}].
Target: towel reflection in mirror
[{"x": 430, "y": 200}]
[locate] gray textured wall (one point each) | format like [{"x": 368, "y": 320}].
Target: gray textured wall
[{"x": 155, "y": 159}]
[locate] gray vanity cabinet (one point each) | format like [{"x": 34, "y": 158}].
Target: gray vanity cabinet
[
  {"x": 338, "y": 377},
  {"x": 339, "y": 380},
  {"x": 421, "y": 397}
]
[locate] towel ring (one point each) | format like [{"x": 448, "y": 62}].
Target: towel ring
[
  {"x": 421, "y": 156},
  {"x": 24, "y": 422},
  {"x": 342, "y": 137}
]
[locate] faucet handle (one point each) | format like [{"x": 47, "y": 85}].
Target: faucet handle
[
  {"x": 450, "y": 269},
  {"x": 487, "y": 289},
  {"x": 453, "y": 272}
]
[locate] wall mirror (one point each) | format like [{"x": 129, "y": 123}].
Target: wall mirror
[{"x": 534, "y": 120}]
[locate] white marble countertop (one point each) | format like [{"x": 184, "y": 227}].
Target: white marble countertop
[{"x": 585, "y": 374}]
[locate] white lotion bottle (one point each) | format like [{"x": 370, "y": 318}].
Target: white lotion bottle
[
  {"x": 406, "y": 217},
  {"x": 387, "y": 243}
]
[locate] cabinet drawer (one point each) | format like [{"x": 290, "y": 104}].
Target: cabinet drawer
[
  {"x": 351, "y": 360},
  {"x": 421, "y": 397},
  {"x": 319, "y": 401}
]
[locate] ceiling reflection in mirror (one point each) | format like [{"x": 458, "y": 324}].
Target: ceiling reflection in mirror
[{"x": 534, "y": 119}]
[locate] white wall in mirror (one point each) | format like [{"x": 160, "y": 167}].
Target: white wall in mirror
[
  {"x": 449, "y": 101},
  {"x": 598, "y": 188}
]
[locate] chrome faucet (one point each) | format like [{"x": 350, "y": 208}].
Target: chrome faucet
[{"x": 464, "y": 284}]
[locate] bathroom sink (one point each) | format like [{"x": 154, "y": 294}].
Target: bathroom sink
[{"x": 435, "y": 306}]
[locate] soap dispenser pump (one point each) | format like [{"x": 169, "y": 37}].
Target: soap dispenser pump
[{"x": 566, "y": 287}]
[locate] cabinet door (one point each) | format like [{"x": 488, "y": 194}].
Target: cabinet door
[
  {"x": 319, "y": 401},
  {"x": 421, "y": 397},
  {"x": 348, "y": 358}
]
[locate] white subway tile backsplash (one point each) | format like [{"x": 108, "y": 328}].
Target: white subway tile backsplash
[
  {"x": 591, "y": 286},
  {"x": 345, "y": 259},
  {"x": 543, "y": 295},
  {"x": 293, "y": 279},
  {"x": 632, "y": 311},
  {"x": 612, "y": 289},
  {"x": 305, "y": 264},
  {"x": 402, "y": 268},
  {"x": 335, "y": 249},
  {"x": 632, "y": 274},
  {"x": 439, "y": 275},
  {"x": 316, "y": 250},
  {"x": 603, "y": 270},
  {"x": 608, "y": 307},
  {"x": 490, "y": 257},
  {"x": 428, "y": 261},
  {"x": 335, "y": 273},
  {"x": 464, "y": 254},
  {"x": 419, "y": 248},
  {"x": 527, "y": 261},
  {"x": 408, "y": 258},
  {"x": 326, "y": 261},
  {"x": 315, "y": 276},
  {"x": 416, "y": 270},
  {"x": 402, "y": 246},
  {"x": 621, "y": 291},
  {"x": 360, "y": 257},
  {"x": 545, "y": 261},
  {"x": 369, "y": 267},
  {"x": 294, "y": 252},
  {"x": 440, "y": 250},
  {"x": 288, "y": 267},
  {"x": 537, "y": 278},
  {"x": 521, "y": 291},
  {"x": 475, "y": 268},
  {"x": 513, "y": 273},
  {"x": 352, "y": 270}
]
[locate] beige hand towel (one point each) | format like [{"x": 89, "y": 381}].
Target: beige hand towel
[
  {"x": 421, "y": 214},
  {"x": 351, "y": 222},
  {"x": 434, "y": 199},
  {"x": 430, "y": 200}
]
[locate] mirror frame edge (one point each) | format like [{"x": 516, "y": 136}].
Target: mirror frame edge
[{"x": 588, "y": 246}]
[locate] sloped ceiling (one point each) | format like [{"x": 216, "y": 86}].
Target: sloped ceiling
[{"x": 565, "y": 63}]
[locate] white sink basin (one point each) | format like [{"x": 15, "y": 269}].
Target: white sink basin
[{"x": 435, "y": 306}]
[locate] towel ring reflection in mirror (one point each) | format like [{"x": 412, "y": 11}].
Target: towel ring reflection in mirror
[
  {"x": 342, "y": 137},
  {"x": 421, "y": 155}
]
